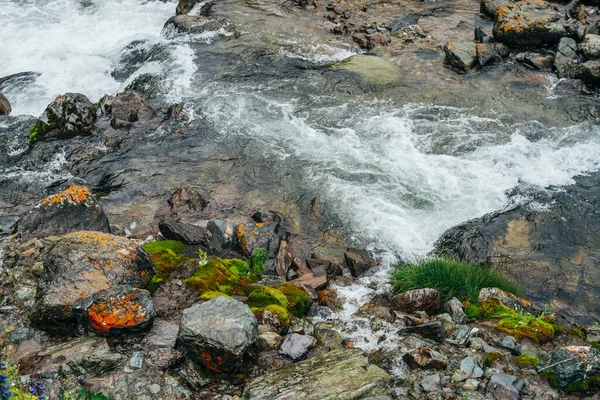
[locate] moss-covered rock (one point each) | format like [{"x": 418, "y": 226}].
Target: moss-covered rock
[
  {"x": 490, "y": 358},
  {"x": 67, "y": 116},
  {"x": 572, "y": 368},
  {"x": 264, "y": 296},
  {"x": 297, "y": 297},
  {"x": 527, "y": 361}
]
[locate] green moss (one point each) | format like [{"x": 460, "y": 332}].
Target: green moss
[
  {"x": 586, "y": 386},
  {"x": 282, "y": 314},
  {"x": 577, "y": 333},
  {"x": 219, "y": 275},
  {"x": 38, "y": 130},
  {"x": 527, "y": 361},
  {"x": 167, "y": 256},
  {"x": 264, "y": 296},
  {"x": 595, "y": 345},
  {"x": 297, "y": 297},
  {"x": 450, "y": 278},
  {"x": 154, "y": 283},
  {"x": 552, "y": 379},
  {"x": 209, "y": 295},
  {"x": 490, "y": 358}
]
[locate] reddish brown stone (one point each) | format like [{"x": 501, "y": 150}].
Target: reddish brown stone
[{"x": 427, "y": 300}]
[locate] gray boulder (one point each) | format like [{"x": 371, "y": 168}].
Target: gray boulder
[
  {"x": 590, "y": 47},
  {"x": 462, "y": 56},
  {"x": 456, "y": 310},
  {"x": 74, "y": 209},
  {"x": 217, "y": 333},
  {"x": 338, "y": 374},
  {"x": 69, "y": 115},
  {"x": 590, "y": 72},
  {"x": 297, "y": 346},
  {"x": 571, "y": 365},
  {"x": 503, "y": 386},
  {"x": 185, "y": 233},
  {"x": 220, "y": 234},
  {"x": 565, "y": 61},
  {"x": 5, "y": 107}
]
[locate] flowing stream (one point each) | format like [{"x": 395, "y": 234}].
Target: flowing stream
[{"x": 398, "y": 174}]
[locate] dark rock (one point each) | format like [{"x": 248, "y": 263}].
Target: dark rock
[
  {"x": 262, "y": 216},
  {"x": 187, "y": 24},
  {"x": 297, "y": 346},
  {"x": 5, "y": 107},
  {"x": 431, "y": 330},
  {"x": 404, "y": 21},
  {"x": 509, "y": 342},
  {"x": 18, "y": 80},
  {"x": 220, "y": 234},
  {"x": 217, "y": 333},
  {"x": 317, "y": 266},
  {"x": 174, "y": 112},
  {"x": 339, "y": 374},
  {"x": 481, "y": 36},
  {"x": 424, "y": 358},
  {"x": 195, "y": 376},
  {"x": 359, "y": 261},
  {"x": 570, "y": 365},
  {"x": 127, "y": 107},
  {"x": 505, "y": 387},
  {"x": 490, "y": 7},
  {"x": 283, "y": 261},
  {"x": 509, "y": 300},
  {"x": 148, "y": 85},
  {"x": 185, "y": 233},
  {"x": 565, "y": 60},
  {"x": 254, "y": 235},
  {"x": 462, "y": 56},
  {"x": 502, "y": 50},
  {"x": 486, "y": 54},
  {"x": 185, "y": 201},
  {"x": 590, "y": 72},
  {"x": 457, "y": 311},
  {"x": 82, "y": 264},
  {"x": 163, "y": 335},
  {"x": 67, "y": 116},
  {"x": 535, "y": 60},
  {"x": 119, "y": 310},
  {"x": 531, "y": 23},
  {"x": 72, "y": 210},
  {"x": 427, "y": 300},
  {"x": 590, "y": 47}
]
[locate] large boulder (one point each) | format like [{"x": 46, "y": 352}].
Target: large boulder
[
  {"x": 71, "y": 210},
  {"x": 411, "y": 301},
  {"x": 83, "y": 264},
  {"x": 217, "y": 333},
  {"x": 590, "y": 47},
  {"x": 553, "y": 253},
  {"x": 338, "y": 374},
  {"x": 69, "y": 115},
  {"x": 531, "y": 23},
  {"x": 5, "y": 107},
  {"x": 462, "y": 56},
  {"x": 571, "y": 365}
]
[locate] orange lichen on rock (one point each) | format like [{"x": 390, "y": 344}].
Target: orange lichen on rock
[
  {"x": 116, "y": 312},
  {"x": 73, "y": 195}
]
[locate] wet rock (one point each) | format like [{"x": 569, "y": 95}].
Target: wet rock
[
  {"x": 456, "y": 310},
  {"x": 297, "y": 346},
  {"x": 462, "y": 56},
  {"x": 329, "y": 339},
  {"x": 424, "y": 358},
  {"x": 590, "y": 47},
  {"x": 120, "y": 310},
  {"x": 337, "y": 374},
  {"x": 186, "y": 201},
  {"x": 592, "y": 333},
  {"x": 510, "y": 343},
  {"x": 218, "y": 332},
  {"x": 127, "y": 107},
  {"x": 5, "y": 107},
  {"x": 328, "y": 298},
  {"x": 72, "y": 210},
  {"x": 82, "y": 264},
  {"x": 254, "y": 235},
  {"x": 185, "y": 6},
  {"x": 174, "y": 112},
  {"x": 359, "y": 261},
  {"x": 220, "y": 234},
  {"x": 431, "y": 383},
  {"x": 18, "y": 80},
  {"x": 147, "y": 85},
  {"x": 284, "y": 258},
  {"x": 187, "y": 24},
  {"x": 503, "y": 386},
  {"x": 490, "y": 7},
  {"x": 402, "y": 22},
  {"x": 590, "y": 72},
  {"x": 570, "y": 365},
  {"x": 269, "y": 341},
  {"x": 185, "y": 233},
  {"x": 431, "y": 330},
  {"x": 535, "y": 60},
  {"x": 509, "y": 300},
  {"x": 481, "y": 36},
  {"x": 486, "y": 54},
  {"x": 565, "y": 60},
  {"x": 427, "y": 300},
  {"x": 69, "y": 115}
]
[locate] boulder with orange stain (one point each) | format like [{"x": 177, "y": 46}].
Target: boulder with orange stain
[
  {"x": 74, "y": 209},
  {"x": 120, "y": 310},
  {"x": 254, "y": 235},
  {"x": 217, "y": 333},
  {"x": 82, "y": 264}
]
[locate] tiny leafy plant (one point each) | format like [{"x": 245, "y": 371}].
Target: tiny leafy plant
[
  {"x": 202, "y": 258},
  {"x": 259, "y": 258},
  {"x": 450, "y": 278}
]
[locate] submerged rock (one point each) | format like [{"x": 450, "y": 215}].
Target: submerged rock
[
  {"x": 218, "y": 332},
  {"x": 5, "y": 107},
  {"x": 82, "y": 264},
  {"x": 339, "y": 374},
  {"x": 531, "y": 23},
  {"x": 71, "y": 210},
  {"x": 67, "y": 116},
  {"x": 427, "y": 300},
  {"x": 126, "y": 108},
  {"x": 571, "y": 365}
]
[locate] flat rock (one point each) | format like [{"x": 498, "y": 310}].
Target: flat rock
[
  {"x": 71, "y": 210},
  {"x": 185, "y": 233},
  {"x": 503, "y": 386},
  {"x": 297, "y": 346},
  {"x": 339, "y": 374},
  {"x": 218, "y": 332}
]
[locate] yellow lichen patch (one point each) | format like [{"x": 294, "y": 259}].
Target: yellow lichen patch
[{"x": 73, "y": 195}]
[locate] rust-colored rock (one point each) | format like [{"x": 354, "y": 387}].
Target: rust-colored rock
[
  {"x": 424, "y": 358},
  {"x": 427, "y": 300}
]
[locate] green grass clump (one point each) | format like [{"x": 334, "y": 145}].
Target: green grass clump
[
  {"x": 450, "y": 278},
  {"x": 595, "y": 345},
  {"x": 490, "y": 358},
  {"x": 167, "y": 256},
  {"x": 577, "y": 333},
  {"x": 527, "y": 361}
]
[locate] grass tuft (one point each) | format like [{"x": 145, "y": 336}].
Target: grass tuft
[{"x": 450, "y": 278}]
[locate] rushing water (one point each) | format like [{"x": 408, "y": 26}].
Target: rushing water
[{"x": 397, "y": 174}]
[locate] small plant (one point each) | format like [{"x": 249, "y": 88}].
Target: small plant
[
  {"x": 577, "y": 332},
  {"x": 527, "y": 361},
  {"x": 450, "y": 278},
  {"x": 202, "y": 258},
  {"x": 10, "y": 384},
  {"x": 490, "y": 358},
  {"x": 259, "y": 258},
  {"x": 89, "y": 394}
]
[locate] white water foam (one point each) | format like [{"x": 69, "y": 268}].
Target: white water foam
[{"x": 73, "y": 44}]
